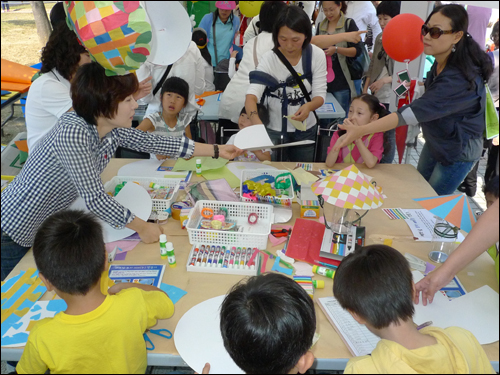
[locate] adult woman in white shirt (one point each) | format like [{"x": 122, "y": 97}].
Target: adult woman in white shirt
[
  {"x": 292, "y": 34},
  {"x": 48, "y": 97}
]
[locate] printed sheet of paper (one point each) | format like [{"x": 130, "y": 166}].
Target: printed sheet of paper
[
  {"x": 421, "y": 223},
  {"x": 299, "y": 125}
]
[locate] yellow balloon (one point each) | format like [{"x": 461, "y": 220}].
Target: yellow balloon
[{"x": 250, "y": 8}]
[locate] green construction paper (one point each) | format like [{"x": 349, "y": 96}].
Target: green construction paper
[
  {"x": 144, "y": 38},
  {"x": 207, "y": 163},
  {"x": 223, "y": 173},
  {"x": 23, "y": 156}
]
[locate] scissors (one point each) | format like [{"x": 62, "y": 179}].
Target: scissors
[
  {"x": 149, "y": 343},
  {"x": 280, "y": 232}
]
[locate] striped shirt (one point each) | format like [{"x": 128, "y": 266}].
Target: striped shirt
[
  {"x": 68, "y": 162},
  {"x": 161, "y": 128}
]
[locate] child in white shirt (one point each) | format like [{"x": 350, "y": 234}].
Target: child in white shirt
[
  {"x": 168, "y": 122},
  {"x": 243, "y": 122}
]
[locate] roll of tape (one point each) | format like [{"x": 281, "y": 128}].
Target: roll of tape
[
  {"x": 216, "y": 224},
  {"x": 253, "y": 218},
  {"x": 176, "y": 209}
]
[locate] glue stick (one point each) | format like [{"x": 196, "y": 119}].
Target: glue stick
[
  {"x": 319, "y": 284},
  {"x": 323, "y": 271},
  {"x": 198, "y": 167},
  {"x": 163, "y": 246},
  {"x": 171, "y": 255}
]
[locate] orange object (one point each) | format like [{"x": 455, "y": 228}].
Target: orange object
[
  {"x": 207, "y": 93},
  {"x": 201, "y": 102},
  {"x": 22, "y": 145},
  {"x": 16, "y": 77}
]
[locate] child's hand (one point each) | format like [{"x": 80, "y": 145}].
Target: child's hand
[
  {"x": 353, "y": 132},
  {"x": 150, "y": 232},
  {"x": 234, "y": 53},
  {"x": 302, "y": 113},
  {"x": 206, "y": 369},
  {"x": 330, "y": 51},
  {"x": 229, "y": 152}
]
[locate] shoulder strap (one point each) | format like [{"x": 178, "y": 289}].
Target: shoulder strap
[
  {"x": 307, "y": 63},
  {"x": 215, "y": 43},
  {"x": 255, "y": 59},
  {"x": 263, "y": 78},
  {"x": 162, "y": 80},
  {"x": 294, "y": 74}
]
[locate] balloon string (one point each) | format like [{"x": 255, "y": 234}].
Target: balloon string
[{"x": 407, "y": 69}]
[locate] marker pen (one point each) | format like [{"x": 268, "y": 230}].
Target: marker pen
[
  {"x": 249, "y": 255},
  {"x": 243, "y": 258},
  {"x": 221, "y": 257},
  {"x": 226, "y": 259},
  {"x": 193, "y": 259},
  {"x": 233, "y": 253},
  {"x": 216, "y": 256},
  {"x": 211, "y": 256},
  {"x": 200, "y": 255},
  {"x": 205, "y": 256},
  {"x": 237, "y": 258}
]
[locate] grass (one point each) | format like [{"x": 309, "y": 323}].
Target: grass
[{"x": 19, "y": 38}]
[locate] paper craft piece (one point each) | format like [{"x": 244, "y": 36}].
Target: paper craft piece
[
  {"x": 224, "y": 173},
  {"x": 302, "y": 177},
  {"x": 123, "y": 245},
  {"x": 117, "y": 34},
  {"x": 327, "y": 172},
  {"x": 348, "y": 188},
  {"x": 207, "y": 163},
  {"x": 16, "y": 77},
  {"x": 305, "y": 242},
  {"x": 306, "y": 283},
  {"x": 198, "y": 339},
  {"x": 23, "y": 156},
  {"x": 120, "y": 256},
  {"x": 263, "y": 262},
  {"x": 394, "y": 213},
  {"x": 299, "y": 125},
  {"x": 22, "y": 145},
  {"x": 19, "y": 296},
  {"x": 17, "y": 335},
  {"x": 429, "y": 267},
  {"x": 237, "y": 167},
  {"x": 173, "y": 292},
  {"x": 171, "y": 28},
  {"x": 455, "y": 209},
  {"x": 330, "y": 74},
  {"x": 305, "y": 166},
  {"x": 475, "y": 311},
  {"x": 148, "y": 168},
  {"x": 255, "y": 137},
  {"x": 303, "y": 269},
  {"x": 133, "y": 197},
  {"x": 277, "y": 268},
  {"x": 415, "y": 262}
]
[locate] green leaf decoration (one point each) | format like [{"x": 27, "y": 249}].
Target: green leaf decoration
[
  {"x": 137, "y": 57},
  {"x": 144, "y": 38}
]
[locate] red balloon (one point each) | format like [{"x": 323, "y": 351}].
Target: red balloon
[{"x": 402, "y": 38}]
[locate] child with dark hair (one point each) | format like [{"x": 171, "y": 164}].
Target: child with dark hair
[
  {"x": 267, "y": 325},
  {"x": 201, "y": 40},
  {"x": 70, "y": 255},
  {"x": 490, "y": 191},
  {"x": 169, "y": 122},
  {"x": 368, "y": 149},
  {"x": 374, "y": 284},
  {"x": 243, "y": 122}
]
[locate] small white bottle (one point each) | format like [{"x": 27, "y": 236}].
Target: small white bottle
[{"x": 198, "y": 167}]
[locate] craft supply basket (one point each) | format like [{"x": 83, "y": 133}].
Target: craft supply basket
[
  {"x": 158, "y": 204},
  {"x": 255, "y": 235},
  {"x": 247, "y": 174}
]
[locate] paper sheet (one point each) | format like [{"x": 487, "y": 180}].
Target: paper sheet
[
  {"x": 198, "y": 339},
  {"x": 133, "y": 197},
  {"x": 255, "y": 137},
  {"x": 149, "y": 168},
  {"x": 225, "y": 173},
  {"x": 475, "y": 311},
  {"x": 421, "y": 223},
  {"x": 237, "y": 167},
  {"x": 173, "y": 292},
  {"x": 17, "y": 335},
  {"x": 299, "y": 125},
  {"x": 303, "y": 177},
  {"x": 207, "y": 163}
]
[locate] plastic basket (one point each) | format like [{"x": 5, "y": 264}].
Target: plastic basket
[
  {"x": 247, "y": 174},
  {"x": 255, "y": 235},
  {"x": 158, "y": 204}
]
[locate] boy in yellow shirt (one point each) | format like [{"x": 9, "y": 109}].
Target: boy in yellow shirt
[
  {"x": 97, "y": 333},
  {"x": 375, "y": 285}
]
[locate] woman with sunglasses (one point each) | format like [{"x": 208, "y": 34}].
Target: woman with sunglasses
[
  {"x": 452, "y": 109},
  {"x": 379, "y": 75}
]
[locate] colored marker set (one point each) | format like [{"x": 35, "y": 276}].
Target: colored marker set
[{"x": 224, "y": 259}]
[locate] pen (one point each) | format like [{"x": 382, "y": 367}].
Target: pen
[
  {"x": 269, "y": 253},
  {"x": 328, "y": 265},
  {"x": 287, "y": 265},
  {"x": 423, "y": 325}
]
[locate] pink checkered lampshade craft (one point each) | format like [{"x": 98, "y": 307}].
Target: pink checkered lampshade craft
[
  {"x": 117, "y": 34},
  {"x": 348, "y": 188}
]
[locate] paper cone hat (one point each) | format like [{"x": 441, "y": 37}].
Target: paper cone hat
[
  {"x": 348, "y": 188},
  {"x": 455, "y": 209},
  {"x": 117, "y": 34}
]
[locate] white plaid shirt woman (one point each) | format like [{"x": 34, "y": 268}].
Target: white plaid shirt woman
[{"x": 68, "y": 162}]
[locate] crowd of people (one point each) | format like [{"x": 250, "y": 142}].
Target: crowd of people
[{"x": 77, "y": 117}]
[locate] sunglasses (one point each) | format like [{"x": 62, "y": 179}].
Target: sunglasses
[{"x": 435, "y": 32}]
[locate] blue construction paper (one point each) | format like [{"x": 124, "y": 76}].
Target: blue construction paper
[
  {"x": 9, "y": 282},
  {"x": 57, "y": 305},
  {"x": 174, "y": 293},
  {"x": 276, "y": 267}
]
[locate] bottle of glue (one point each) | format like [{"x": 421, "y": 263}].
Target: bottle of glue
[
  {"x": 163, "y": 246},
  {"x": 171, "y": 255},
  {"x": 198, "y": 167}
]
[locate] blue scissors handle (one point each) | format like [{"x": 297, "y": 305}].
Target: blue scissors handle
[
  {"x": 159, "y": 332},
  {"x": 149, "y": 343}
]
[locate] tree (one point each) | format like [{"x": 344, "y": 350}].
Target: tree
[{"x": 42, "y": 23}]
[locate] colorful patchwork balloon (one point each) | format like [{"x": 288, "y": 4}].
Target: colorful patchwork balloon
[
  {"x": 348, "y": 188},
  {"x": 117, "y": 34}
]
